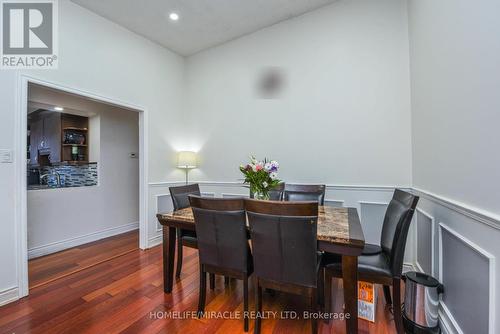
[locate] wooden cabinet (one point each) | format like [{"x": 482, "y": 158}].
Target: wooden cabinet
[
  {"x": 74, "y": 138},
  {"x": 45, "y": 137},
  {"x": 52, "y": 135},
  {"x": 55, "y": 137}
]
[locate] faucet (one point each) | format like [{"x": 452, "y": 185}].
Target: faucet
[{"x": 58, "y": 177}]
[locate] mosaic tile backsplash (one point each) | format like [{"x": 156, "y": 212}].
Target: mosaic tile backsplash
[{"x": 71, "y": 175}]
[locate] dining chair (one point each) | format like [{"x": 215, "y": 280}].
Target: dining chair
[
  {"x": 305, "y": 192},
  {"x": 284, "y": 246},
  {"x": 222, "y": 243},
  {"x": 184, "y": 237},
  {"x": 381, "y": 264},
  {"x": 275, "y": 194}
]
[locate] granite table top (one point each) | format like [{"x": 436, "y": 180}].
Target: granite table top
[{"x": 333, "y": 223}]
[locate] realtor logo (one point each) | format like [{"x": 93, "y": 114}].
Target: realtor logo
[{"x": 29, "y": 34}]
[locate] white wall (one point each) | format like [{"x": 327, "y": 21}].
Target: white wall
[
  {"x": 94, "y": 140},
  {"x": 62, "y": 218},
  {"x": 455, "y": 76},
  {"x": 102, "y": 58},
  {"x": 455, "y": 52},
  {"x": 344, "y": 117}
]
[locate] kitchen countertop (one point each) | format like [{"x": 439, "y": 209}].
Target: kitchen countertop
[{"x": 45, "y": 187}]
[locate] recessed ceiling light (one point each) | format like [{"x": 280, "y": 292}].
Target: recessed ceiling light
[
  {"x": 58, "y": 108},
  {"x": 173, "y": 16}
]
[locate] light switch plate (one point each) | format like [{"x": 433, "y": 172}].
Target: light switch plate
[{"x": 5, "y": 156}]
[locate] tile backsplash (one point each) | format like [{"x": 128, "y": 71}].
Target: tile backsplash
[{"x": 71, "y": 175}]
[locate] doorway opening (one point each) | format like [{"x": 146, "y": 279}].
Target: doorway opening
[{"x": 83, "y": 191}]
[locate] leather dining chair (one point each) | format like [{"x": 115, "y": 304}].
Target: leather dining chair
[
  {"x": 305, "y": 192},
  {"x": 184, "y": 237},
  {"x": 222, "y": 243},
  {"x": 381, "y": 264},
  {"x": 275, "y": 194},
  {"x": 284, "y": 247}
]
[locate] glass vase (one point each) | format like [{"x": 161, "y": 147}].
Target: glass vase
[{"x": 261, "y": 195}]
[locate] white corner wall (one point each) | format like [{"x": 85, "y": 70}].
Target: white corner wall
[
  {"x": 104, "y": 59},
  {"x": 455, "y": 80},
  {"x": 455, "y": 52},
  {"x": 344, "y": 116}
]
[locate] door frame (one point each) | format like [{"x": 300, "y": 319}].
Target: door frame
[{"x": 20, "y": 188}]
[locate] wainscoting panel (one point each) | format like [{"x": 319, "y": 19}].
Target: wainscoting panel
[
  {"x": 372, "y": 218},
  {"x": 334, "y": 202},
  {"x": 465, "y": 273},
  {"x": 163, "y": 204},
  {"x": 425, "y": 242},
  {"x": 464, "y": 247}
]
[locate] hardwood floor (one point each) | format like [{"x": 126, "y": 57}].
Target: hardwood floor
[
  {"x": 54, "y": 266},
  {"x": 125, "y": 295}
]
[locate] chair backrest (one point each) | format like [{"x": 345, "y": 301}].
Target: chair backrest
[
  {"x": 397, "y": 221},
  {"x": 275, "y": 194},
  {"x": 305, "y": 192},
  {"x": 180, "y": 195},
  {"x": 221, "y": 232},
  {"x": 284, "y": 243}
]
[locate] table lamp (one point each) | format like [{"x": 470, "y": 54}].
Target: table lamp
[{"x": 186, "y": 160}]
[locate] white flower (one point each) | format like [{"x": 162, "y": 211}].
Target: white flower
[
  {"x": 268, "y": 166},
  {"x": 265, "y": 184},
  {"x": 254, "y": 167},
  {"x": 273, "y": 176}
]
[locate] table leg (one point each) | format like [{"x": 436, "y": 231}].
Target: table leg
[
  {"x": 350, "y": 278},
  {"x": 168, "y": 258}
]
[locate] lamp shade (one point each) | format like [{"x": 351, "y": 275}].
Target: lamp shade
[{"x": 186, "y": 159}]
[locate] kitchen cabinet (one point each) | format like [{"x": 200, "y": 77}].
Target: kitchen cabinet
[
  {"x": 45, "y": 137},
  {"x": 57, "y": 137}
]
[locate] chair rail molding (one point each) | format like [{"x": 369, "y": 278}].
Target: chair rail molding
[
  {"x": 482, "y": 216},
  {"x": 388, "y": 188}
]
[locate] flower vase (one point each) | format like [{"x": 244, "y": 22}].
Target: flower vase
[{"x": 261, "y": 195}]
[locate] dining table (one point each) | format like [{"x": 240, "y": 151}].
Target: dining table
[{"x": 338, "y": 231}]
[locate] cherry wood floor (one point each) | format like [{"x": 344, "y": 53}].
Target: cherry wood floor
[
  {"x": 125, "y": 295},
  {"x": 51, "y": 267}
]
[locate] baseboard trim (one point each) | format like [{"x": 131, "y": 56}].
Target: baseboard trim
[
  {"x": 77, "y": 241},
  {"x": 155, "y": 241},
  {"x": 9, "y": 295}
]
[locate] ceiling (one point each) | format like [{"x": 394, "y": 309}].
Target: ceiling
[{"x": 202, "y": 23}]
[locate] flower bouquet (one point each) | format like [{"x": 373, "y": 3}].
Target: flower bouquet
[{"x": 261, "y": 176}]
